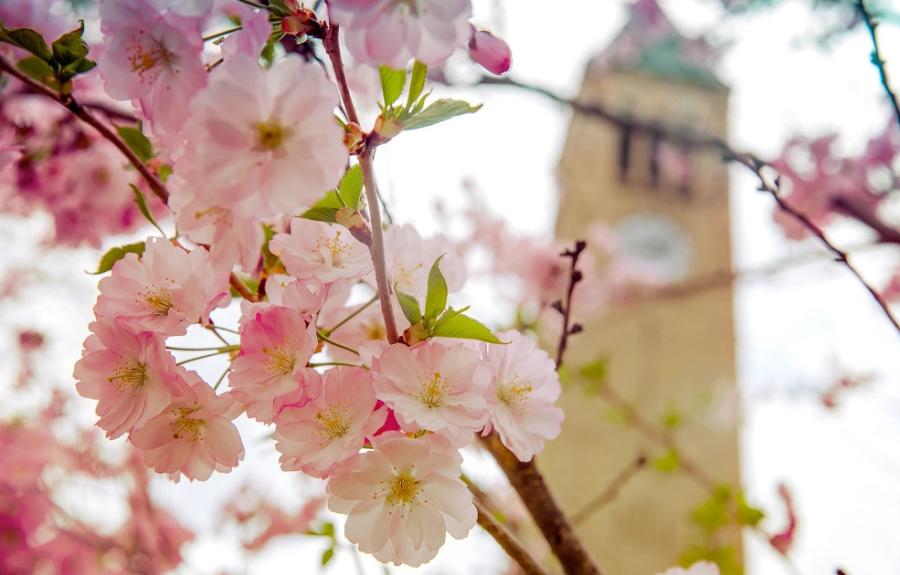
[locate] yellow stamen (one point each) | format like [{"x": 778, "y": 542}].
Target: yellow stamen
[
  {"x": 332, "y": 421},
  {"x": 185, "y": 427},
  {"x": 132, "y": 375},
  {"x": 270, "y": 136},
  {"x": 403, "y": 489},
  {"x": 433, "y": 392}
]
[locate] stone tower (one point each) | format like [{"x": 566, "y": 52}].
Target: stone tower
[{"x": 669, "y": 208}]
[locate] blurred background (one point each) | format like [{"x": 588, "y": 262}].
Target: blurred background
[{"x": 755, "y": 355}]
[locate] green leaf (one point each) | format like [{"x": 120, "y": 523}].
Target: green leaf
[
  {"x": 436, "y": 298},
  {"x": 141, "y": 202},
  {"x": 115, "y": 254},
  {"x": 70, "y": 48},
  {"x": 327, "y": 556},
  {"x": 164, "y": 171},
  {"x": 416, "y": 83},
  {"x": 351, "y": 187},
  {"x": 437, "y": 112},
  {"x": 392, "y": 82},
  {"x": 38, "y": 69},
  {"x": 747, "y": 514},
  {"x": 27, "y": 39},
  {"x": 668, "y": 462},
  {"x": 326, "y": 209},
  {"x": 409, "y": 306},
  {"x": 597, "y": 369},
  {"x": 463, "y": 327},
  {"x": 75, "y": 68},
  {"x": 136, "y": 141}
]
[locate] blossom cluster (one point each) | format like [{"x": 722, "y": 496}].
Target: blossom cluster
[{"x": 245, "y": 134}]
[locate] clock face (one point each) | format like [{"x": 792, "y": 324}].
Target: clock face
[{"x": 657, "y": 242}]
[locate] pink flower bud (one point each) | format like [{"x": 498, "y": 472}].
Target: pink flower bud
[{"x": 490, "y": 52}]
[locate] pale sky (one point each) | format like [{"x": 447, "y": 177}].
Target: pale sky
[{"x": 793, "y": 329}]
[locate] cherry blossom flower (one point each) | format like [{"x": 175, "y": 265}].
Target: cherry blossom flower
[
  {"x": 262, "y": 142},
  {"x": 402, "y": 498},
  {"x": 275, "y": 346},
  {"x": 490, "y": 52},
  {"x": 130, "y": 374},
  {"x": 320, "y": 251},
  {"x": 331, "y": 428},
  {"x": 251, "y": 38},
  {"x": 152, "y": 56},
  {"x": 392, "y": 32},
  {"x": 435, "y": 387},
  {"x": 522, "y": 393},
  {"x": 409, "y": 258},
  {"x": 194, "y": 435},
  {"x": 165, "y": 290},
  {"x": 700, "y": 568}
]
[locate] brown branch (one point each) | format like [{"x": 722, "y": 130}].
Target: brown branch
[
  {"x": 877, "y": 58},
  {"x": 886, "y": 233},
  {"x": 82, "y": 113},
  {"x": 507, "y": 541},
  {"x": 376, "y": 246},
  {"x": 611, "y": 491},
  {"x": 565, "y": 307},
  {"x": 749, "y": 161},
  {"x": 534, "y": 493}
]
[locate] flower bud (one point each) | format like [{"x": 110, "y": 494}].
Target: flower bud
[{"x": 490, "y": 52}]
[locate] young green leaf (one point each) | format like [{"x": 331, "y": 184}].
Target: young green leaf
[
  {"x": 78, "y": 67},
  {"x": 136, "y": 141},
  {"x": 351, "y": 187},
  {"x": 463, "y": 327},
  {"x": 327, "y": 556},
  {"x": 117, "y": 253},
  {"x": 416, "y": 83},
  {"x": 27, "y": 39},
  {"x": 392, "y": 82},
  {"x": 141, "y": 202},
  {"x": 437, "y": 112},
  {"x": 38, "y": 69},
  {"x": 409, "y": 306},
  {"x": 326, "y": 209},
  {"x": 70, "y": 47},
  {"x": 436, "y": 297}
]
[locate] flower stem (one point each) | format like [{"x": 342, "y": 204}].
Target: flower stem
[
  {"x": 222, "y": 33},
  {"x": 355, "y": 313},
  {"x": 330, "y": 341}
]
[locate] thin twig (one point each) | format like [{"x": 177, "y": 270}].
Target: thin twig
[
  {"x": 222, "y": 33},
  {"x": 507, "y": 541},
  {"x": 352, "y": 315},
  {"x": 611, "y": 491},
  {"x": 692, "y": 139},
  {"x": 565, "y": 307},
  {"x": 877, "y": 58},
  {"x": 336, "y": 344}
]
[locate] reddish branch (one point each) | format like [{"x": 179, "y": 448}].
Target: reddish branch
[
  {"x": 85, "y": 115},
  {"x": 565, "y": 307},
  {"x": 376, "y": 246},
  {"x": 691, "y": 139},
  {"x": 534, "y": 493},
  {"x": 877, "y": 58}
]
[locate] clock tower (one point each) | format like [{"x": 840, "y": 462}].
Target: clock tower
[{"x": 668, "y": 205}]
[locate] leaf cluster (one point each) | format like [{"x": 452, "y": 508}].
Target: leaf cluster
[{"x": 54, "y": 65}]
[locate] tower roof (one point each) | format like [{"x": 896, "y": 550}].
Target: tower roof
[{"x": 650, "y": 43}]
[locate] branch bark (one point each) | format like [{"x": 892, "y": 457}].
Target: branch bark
[
  {"x": 534, "y": 493},
  {"x": 507, "y": 541},
  {"x": 877, "y": 58}
]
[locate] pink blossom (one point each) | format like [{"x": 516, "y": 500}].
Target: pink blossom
[
  {"x": 306, "y": 298},
  {"x": 366, "y": 326},
  {"x": 194, "y": 435},
  {"x": 392, "y": 32},
  {"x": 409, "y": 258},
  {"x": 522, "y": 393},
  {"x": 165, "y": 290},
  {"x": 435, "y": 387},
  {"x": 262, "y": 142},
  {"x": 490, "y": 52},
  {"x": 402, "y": 498},
  {"x": 251, "y": 38},
  {"x": 130, "y": 374},
  {"x": 275, "y": 346},
  {"x": 322, "y": 252},
  {"x": 154, "y": 57},
  {"x": 700, "y": 568},
  {"x": 331, "y": 428}
]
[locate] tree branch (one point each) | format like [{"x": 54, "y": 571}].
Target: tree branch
[
  {"x": 609, "y": 493},
  {"x": 507, "y": 541},
  {"x": 534, "y": 493},
  {"x": 748, "y": 160},
  {"x": 877, "y": 58},
  {"x": 376, "y": 247},
  {"x": 565, "y": 307}
]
